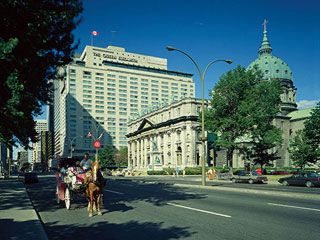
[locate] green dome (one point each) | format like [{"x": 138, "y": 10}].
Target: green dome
[{"x": 271, "y": 66}]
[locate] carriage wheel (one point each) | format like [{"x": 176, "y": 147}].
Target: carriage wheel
[
  {"x": 57, "y": 195},
  {"x": 67, "y": 198}
]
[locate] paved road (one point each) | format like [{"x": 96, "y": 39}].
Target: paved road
[{"x": 134, "y": 210}]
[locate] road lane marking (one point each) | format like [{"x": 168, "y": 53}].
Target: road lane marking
[
  {"x": 114, "y": 192},
  {"x": 199, "y": 210},
  {"x": 289, "y": 206}
]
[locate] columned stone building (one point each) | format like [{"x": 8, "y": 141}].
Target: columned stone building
[{"x": 168, "y": 137}]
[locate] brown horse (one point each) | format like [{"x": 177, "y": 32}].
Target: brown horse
[{"x": 94, "y": 190}]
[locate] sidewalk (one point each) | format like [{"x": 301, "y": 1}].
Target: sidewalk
[{"x": 18, "y": 219}]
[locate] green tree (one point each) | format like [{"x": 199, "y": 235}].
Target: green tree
[
  {"x": 305, "y": 146},
  {"x": 35, "y": 41},
  {"x": 300, "y": 151},
  {"x": 107, "y": 156},
  {"x": 121, "y": 156},
  {"x": 241, "y": 104}
]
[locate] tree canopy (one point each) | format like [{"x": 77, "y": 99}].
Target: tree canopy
[
  {"x": 107, "y": 156},
  {"x": 305, "y": 146},
  {"x": 243, "y": 105},
  {"x": 35, "y": 40}
]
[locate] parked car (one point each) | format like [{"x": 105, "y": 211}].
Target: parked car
[
  {"x": 30, "y": 177},
  {"x": 107, "y": 173},
  {"x": 308, "y": 179},
  {"x": 254, "y": 177},
  {"x": 280, "y": 172}
]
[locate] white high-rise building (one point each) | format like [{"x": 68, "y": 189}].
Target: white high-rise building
[
  {"x": 41, "y": 125},
  {"x": 104, "y": 89}
]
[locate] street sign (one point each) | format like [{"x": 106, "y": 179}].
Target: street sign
[{"x": 97, "y": 144}]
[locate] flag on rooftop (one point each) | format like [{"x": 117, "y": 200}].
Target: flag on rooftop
[
  {"x": 89, "y": 134},
  {"x": 95, "y": 33}
]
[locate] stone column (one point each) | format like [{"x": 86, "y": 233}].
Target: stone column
[
  {"x": 184, "y": 146},
  {"x": 129, "y": 152},
  {"x": 165, "y": 148},
  {"x": 138, "y": 153}
]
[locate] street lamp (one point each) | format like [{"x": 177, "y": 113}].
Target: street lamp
[
  {"x": 203, "y": 139},
  {"x": 71, "y": 141}
]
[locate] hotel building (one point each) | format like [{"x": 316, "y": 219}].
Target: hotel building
[{"x": 103, "y": 90}]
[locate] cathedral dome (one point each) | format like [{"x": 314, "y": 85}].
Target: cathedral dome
[
  {"x": 271, "y": 66},
  {"x": 275, "y": 68}
]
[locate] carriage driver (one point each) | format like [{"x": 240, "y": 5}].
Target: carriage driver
[{"x": 85, "y": 164}]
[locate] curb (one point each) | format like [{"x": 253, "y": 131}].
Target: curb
[
  {"x": 242, "y": 190},
  {"x": 264, "y": 192},
  {"x": 42, "y": 233}
]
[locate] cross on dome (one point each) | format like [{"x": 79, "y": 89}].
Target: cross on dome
[{"x": 265, "y": 25}]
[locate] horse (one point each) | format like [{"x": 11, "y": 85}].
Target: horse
[{"x": 94, "y": 188}]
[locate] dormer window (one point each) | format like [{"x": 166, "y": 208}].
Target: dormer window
[{"x": 277, "y": 71}]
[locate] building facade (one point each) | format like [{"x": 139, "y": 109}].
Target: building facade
[
  {"x": 41, "y": 126},
  {"x": 168, "y": 137},
  {"x": 103, "y": 90}
]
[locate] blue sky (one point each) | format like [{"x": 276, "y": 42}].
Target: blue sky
[{"x": 209, "y": 30}]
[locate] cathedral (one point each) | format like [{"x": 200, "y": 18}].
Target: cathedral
[{"x": 290, "y": 119}]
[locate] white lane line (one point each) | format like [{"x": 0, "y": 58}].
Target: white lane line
[
  {"x": 199, "y": 210},
  {"x": 289, "y": 206},
  {"x": 114, "y": 192}
]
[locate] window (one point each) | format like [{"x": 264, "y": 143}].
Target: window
[
  {"x": 99, "y": 92},
  {"x": 87, "y": 96},
  {"x": 111, "y": 108},
  {"x": 87, "y": 101},
  {"x": 86, "y": 91},
  {"x": 122, "y": 99},
  {"x": 132, "y": 87},
  {"x": 111, "y": 80},
  {"x": 72, "y": 70},
  {"x": 123, "y": 86},
  {"x": 111, "y": 85},
  {"x": 87, "y": 86},
  {"x": 100, "y": 83},
  {"x": 154, "y": 81},
  {"x": 174, "y": 84},
  {"x": 100, "y": 88},
  {"x": 99, "y": 107},
  {"x": 112, "y": 103},
  {"x": 99, "y": 111},
  {"x": 99, "y": 97},
  {"x": 86, "y": 73},
  {"x": 86, "y": 81},
  {"x": 111, "y": 75},
  {"x": 133, "y": 78},
  {"x": 144, "y": 84},
  {"x": 134, "y": 83},
  {"x": 111, "y": 89},
  {"x": 122, "y": 77},
  {"x": 122, "y": 90},
  {"x": 121, "y": 81}
]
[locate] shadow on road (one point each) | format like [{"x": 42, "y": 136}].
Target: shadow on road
[{"x": 105, "y": 230}]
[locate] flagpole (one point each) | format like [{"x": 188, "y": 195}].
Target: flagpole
[{"x": 91, "y": 39}]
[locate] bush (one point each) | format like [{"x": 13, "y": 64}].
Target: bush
[{"x": 155, "y": 172}]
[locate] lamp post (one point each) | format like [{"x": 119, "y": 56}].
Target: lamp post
[
  {"x": 203, "y": 139},
  {"x": 71, "y": 141}
]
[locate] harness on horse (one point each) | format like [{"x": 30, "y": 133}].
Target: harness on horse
[{"x": 89, "y": 176}]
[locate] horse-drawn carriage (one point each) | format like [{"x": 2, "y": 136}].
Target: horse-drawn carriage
[{"x": 70, "y": 181}]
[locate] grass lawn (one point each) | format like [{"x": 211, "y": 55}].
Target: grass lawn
[{"x": 276, "y": 177}]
